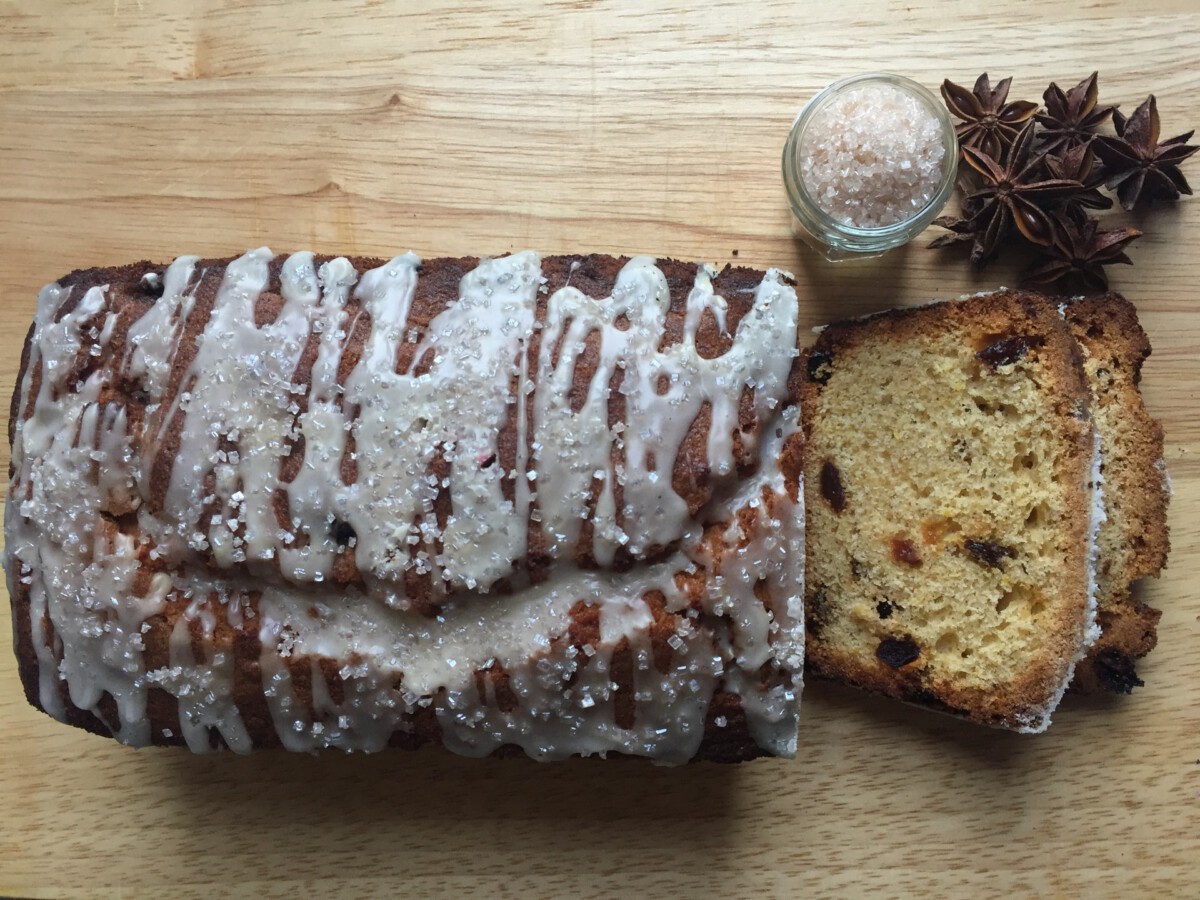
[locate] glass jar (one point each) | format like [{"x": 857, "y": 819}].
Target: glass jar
[{"x": 829, "y": 235}]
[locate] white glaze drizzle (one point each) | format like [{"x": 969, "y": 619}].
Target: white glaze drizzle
[
  {"x": 771, "y": 633},
  {"x": 152, "y": 339},
  {"x": 552, "y": 721},
  {"x": 72, "y": 462},
  {"x": 317, "y": 491},
  {"x": 238, "y": 389},
  {"x": 457, "y": 407},
  {"x": 238, "y": 392},
  {"x": 204, "y": 688},
  {"x": 573, "y": 450}
]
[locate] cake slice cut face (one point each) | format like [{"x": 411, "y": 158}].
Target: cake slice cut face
[{"x": 951, "y": 507}]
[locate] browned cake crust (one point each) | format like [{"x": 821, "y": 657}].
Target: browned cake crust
[
  {"x": 1134, "y": 539},
  {"x": 231, "y": 621},
  {"x": 939, "y": 570}
]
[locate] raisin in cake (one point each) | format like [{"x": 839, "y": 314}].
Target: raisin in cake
[
  {"x": 548, "y": 506},
  {"x": 1133, "y": 540},
  {"x": 950, "y": 470}
]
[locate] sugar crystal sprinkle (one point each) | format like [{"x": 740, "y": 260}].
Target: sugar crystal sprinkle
[{"x": 872, "y": 156}]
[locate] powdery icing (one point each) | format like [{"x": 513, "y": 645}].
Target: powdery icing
[{"x": 240, "y": 410}]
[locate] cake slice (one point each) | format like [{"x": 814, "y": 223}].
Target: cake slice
[
  {"x": 1133, "y": 541},
  {"x": 951, "y": 507}
]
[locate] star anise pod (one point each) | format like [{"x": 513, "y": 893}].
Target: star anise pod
[
  {"x": 1137, "y": 165},
  {"x": 1011, "y": 194},
  {"x": 1078, "y": 163},
  {"x": 1071, "y": 118},
  {"x": 988, "y": 121},
  {"x": 1079, "y": 252}
]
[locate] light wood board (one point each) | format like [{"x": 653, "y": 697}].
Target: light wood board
[{"x": 147, "y": 128}]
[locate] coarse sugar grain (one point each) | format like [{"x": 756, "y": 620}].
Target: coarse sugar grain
[{"x": 873, "y": 156}]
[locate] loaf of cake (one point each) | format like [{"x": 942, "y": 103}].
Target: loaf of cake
[
  {"x": 952, "y": 486},
  {"x": 1133, "y": 540},
  {"x": 549, "y": 506}
]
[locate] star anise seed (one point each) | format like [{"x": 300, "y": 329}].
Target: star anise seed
[
  {"x": 1078, "y": 163},
  {"x": 1137, "y": 165},
  {"x": 1071, "y": 118},
  {"x": 959, "y": 228},
  {"x": 988, "y": 122},
  {"x": 1011, "y": 194},
  {"x": 1079, "y": 252}
]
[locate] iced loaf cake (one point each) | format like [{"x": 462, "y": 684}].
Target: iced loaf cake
[{"x": 548, "y": 506}]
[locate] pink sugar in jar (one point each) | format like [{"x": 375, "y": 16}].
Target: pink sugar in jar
[{"x": 869, "y": 163}]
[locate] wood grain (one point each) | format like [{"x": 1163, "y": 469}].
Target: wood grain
[{"x": 136, "y": 128}]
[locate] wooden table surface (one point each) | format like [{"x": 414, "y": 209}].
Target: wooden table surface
[{"x": 145, "y": 128}]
